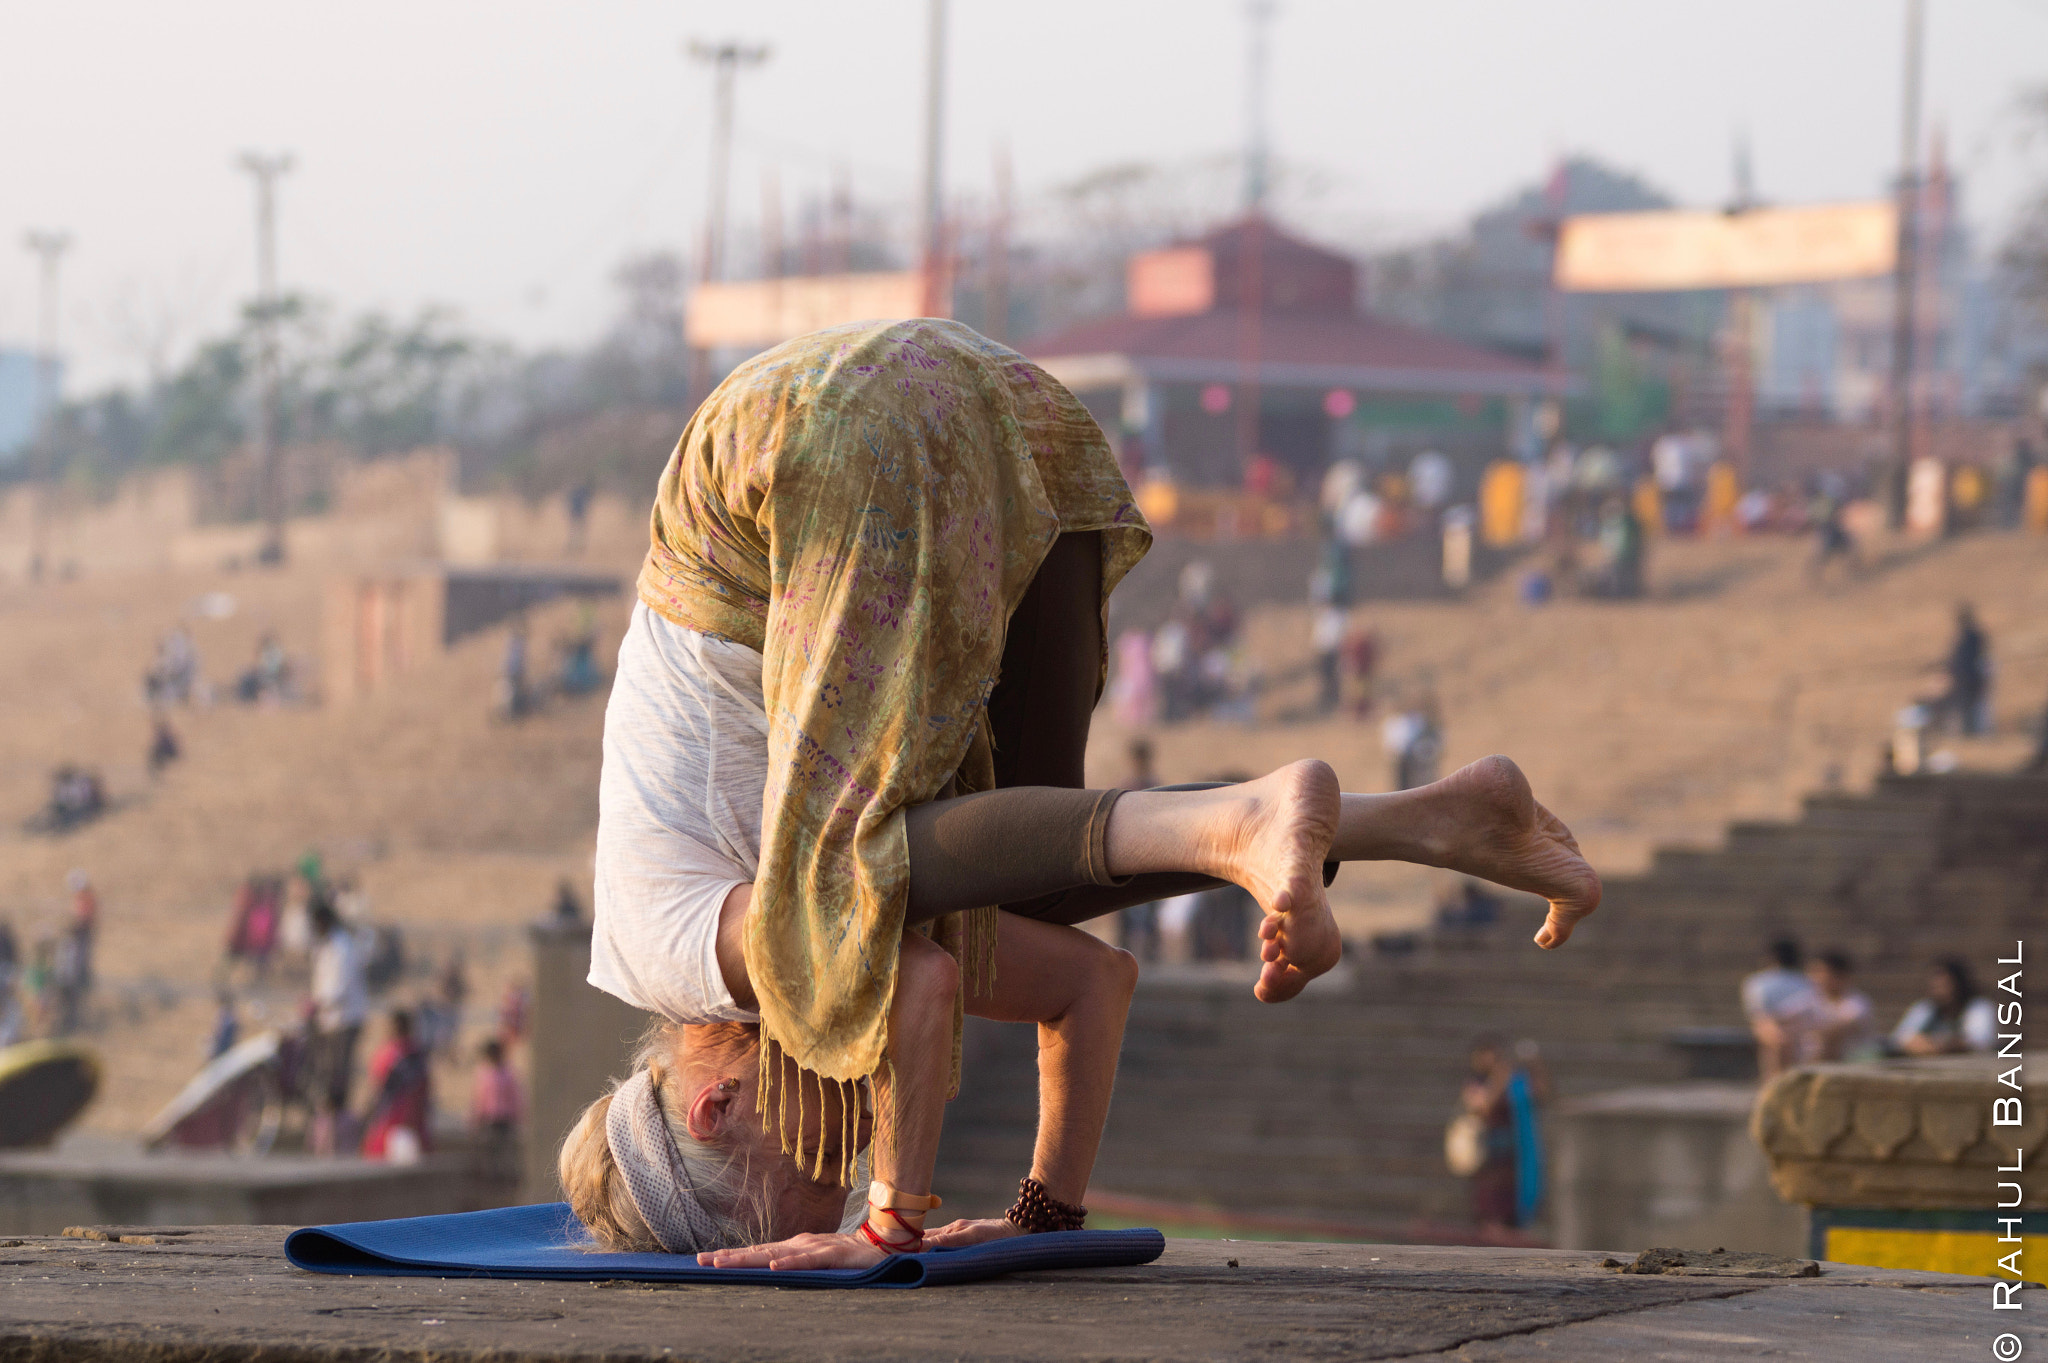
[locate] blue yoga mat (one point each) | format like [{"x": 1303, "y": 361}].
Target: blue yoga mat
[{"x": 547, "y": 1241}]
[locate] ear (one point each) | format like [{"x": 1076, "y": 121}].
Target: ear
[{"x": 710, "y": 1110}]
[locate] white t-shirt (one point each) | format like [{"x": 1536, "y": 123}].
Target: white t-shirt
[
  {"x": 1977, "y": 1026},
  {"x": 340, "y": 986},
  {"x": 678, "y": 816},
  {"x": 1785, "y": 996},
  {"x": 1852, "y": 1016}
]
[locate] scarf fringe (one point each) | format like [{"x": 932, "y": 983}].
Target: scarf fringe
[
  {"x": 855, "y": 1096},
  {"x": 972, "y": 938}
]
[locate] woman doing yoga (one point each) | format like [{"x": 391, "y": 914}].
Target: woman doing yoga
[{"x": 842, "y": 802}]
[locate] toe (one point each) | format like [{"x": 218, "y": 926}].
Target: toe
[{"x": 1278, "y": 983}]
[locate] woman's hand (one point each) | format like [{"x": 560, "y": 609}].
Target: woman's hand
[
  {"x": 961, "y": 1234},
  {"x": 801, "y": 1251}
]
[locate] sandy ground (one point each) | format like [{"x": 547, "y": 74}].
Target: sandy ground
[{"x": 1735, "y": 689}]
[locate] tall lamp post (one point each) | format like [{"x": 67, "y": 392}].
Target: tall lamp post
[
  {"x": 1905, "y": 275},
  {"x": 725, "y": 60},
  {"x": 267, "y": 171}
]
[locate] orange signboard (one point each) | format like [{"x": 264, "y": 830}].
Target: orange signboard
[
  {"x": 1635, "y": 252},
  {"x": 764, "y": 312},
  {"x": 1176, "y": 282}
]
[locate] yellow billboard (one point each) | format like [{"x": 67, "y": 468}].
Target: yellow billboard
[
  {"x": 764, "y": 312},
  {"x": 1637, "y": 252}
]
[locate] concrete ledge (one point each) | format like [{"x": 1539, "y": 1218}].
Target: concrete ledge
[
  {"x": 42, "y": 1193},
  {"x": 226, "y": 1293}
]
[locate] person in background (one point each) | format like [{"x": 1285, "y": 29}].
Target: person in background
[
  {"x": 496, "y": 1100},
  {"x": 1953, "y": 1019},
  {"x": 2039, "y": 761},
  {"x": 1780, "y": 1003},
  {"x": 1361, "y": 659},
  {"x": 351, "y": 900},
  {"x": 1133, "y": 685},
  {"x": 453, "y": 988},
  {"x": 1844, "y": 1023},
  {"x": 514, "y": 697},
  {"x": 1504, "y": 1090},
  {"x": 1414, "y": 738},
  {"x": 38, "y": 986},
  {"x": 341, "y": 1001},
  {"x": 1969, "y": 677},
  {"x": 1621, "y": 550},
  {"x": 11, "y": 1020},
  {"x": 1220, "y": 928},
  {"x": 578, "y": 675},
  {"x": 163, "y": 745},
  {"x": 174, "y": 678},
  {"x": 1326, "y": 637},
  {"x": 1137, "y": 927},
  {"x": 1142, "y": 774},
  {"x": 1835, "y": 541},
  {"x": 512, "y": 1013},
  {"x": 85, "y": 908},
  {"x": 227, "y": 1027},
  {"x": 268, "y": 677},
  {"x": 396, "y": 1128},
  {"x": 71, "y": 979},
  {"x": 577, "y": 503},
  {"x": 568, "y": 910}
]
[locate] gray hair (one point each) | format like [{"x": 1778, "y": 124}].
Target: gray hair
[{"x": 690, "y": 1195}]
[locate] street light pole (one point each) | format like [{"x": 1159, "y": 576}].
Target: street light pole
[
  {"x": 1905, "y": 273},
  {"x": 725, "y": 59},
  {"x": 932, "y": 242},
  {"x": 266, "y": 171}
]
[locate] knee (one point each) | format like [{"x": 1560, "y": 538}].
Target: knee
[
  {"x": 1119, "y": 971},
  {"x": 926, "y": 974}
]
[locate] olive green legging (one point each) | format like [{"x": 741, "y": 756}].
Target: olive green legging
[{"x": 1035, "y": 844}]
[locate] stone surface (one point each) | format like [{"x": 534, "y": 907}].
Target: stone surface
[
  {"x": 226, "y": 1293},
  {"x": 1911, "y": 1134}
]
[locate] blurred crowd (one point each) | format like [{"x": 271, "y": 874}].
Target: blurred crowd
[
  {"x": 45, "y": 988},
  {"x": 351, "y": 969},
  {"x": 1806, "y": 1010}
]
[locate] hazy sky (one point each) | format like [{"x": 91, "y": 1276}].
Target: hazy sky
[{"x": 500, "y": 158}]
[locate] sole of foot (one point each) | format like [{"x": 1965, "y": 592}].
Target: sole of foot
[
  {"x": 1282, "y": 844},
  {"x": 1495, "y": 829}
]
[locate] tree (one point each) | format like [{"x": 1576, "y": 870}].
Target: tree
[{"x": 2026, "y": 250}]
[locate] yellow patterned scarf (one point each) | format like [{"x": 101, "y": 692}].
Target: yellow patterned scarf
[{"x": 866, "y": 506}]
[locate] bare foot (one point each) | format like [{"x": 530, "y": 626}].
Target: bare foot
[
  {"x": 1490, "y": 826},
  {"x": 1275, "y": 848}
]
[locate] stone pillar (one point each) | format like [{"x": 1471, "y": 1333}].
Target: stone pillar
[{"x": 580, "y": 1040}]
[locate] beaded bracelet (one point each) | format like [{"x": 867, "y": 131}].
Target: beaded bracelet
[{"x": 1037, "y": 1211}]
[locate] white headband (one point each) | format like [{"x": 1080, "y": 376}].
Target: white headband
[{"x": 656, "y": 1178}]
